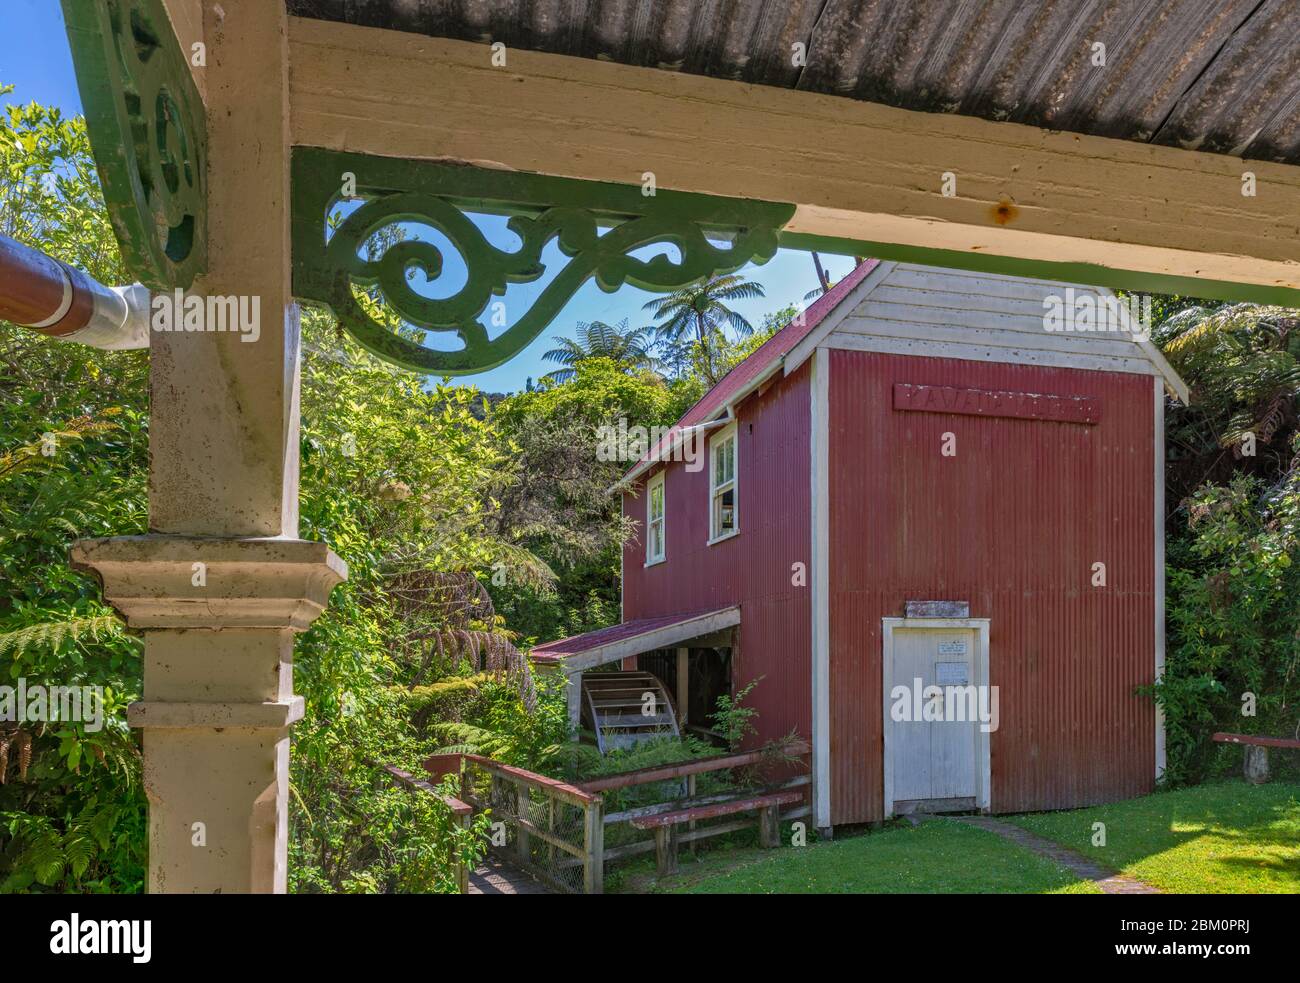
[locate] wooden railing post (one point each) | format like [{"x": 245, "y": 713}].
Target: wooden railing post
[
  {"x": 550, "y": 828},
  {"x": 690, "y": 794},
  {"x": 462, "y": 869},
  {"x": 462, "y": 814},
  {"x": 593, "y": 867},
  {"x": 523, "y": 841}
]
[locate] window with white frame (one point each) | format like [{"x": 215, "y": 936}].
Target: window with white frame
[
  {"x": 723, "y": 515},
  {"x": 654, "y": 520}
]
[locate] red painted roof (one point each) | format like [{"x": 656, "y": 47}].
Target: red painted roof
[
  {"x": 763, "y": 358},
  {"x": 577, "y": 644}
]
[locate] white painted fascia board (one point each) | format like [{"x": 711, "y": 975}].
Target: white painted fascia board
[
  {"x": 750, "y": 389},
  {"x": 1173, "y": 381},
  {"x": 665, "y": 637},
  {"x": 679, "y": 435},
  {"x": 802, "y": 351}
]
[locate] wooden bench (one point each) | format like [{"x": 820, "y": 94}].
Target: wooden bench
[
  {"x": 664, "y": 824},
  {"x": 1255, "y": 763},
  {"x": 1257, "y": 741}
]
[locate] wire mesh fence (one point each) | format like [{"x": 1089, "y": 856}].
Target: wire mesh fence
[
  {"x": 564, "y": 835},
  {"x": 550, "y": 829}
]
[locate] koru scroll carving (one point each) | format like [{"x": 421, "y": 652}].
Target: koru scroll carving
[
  {"x": 596, "y": 227},
  {"x": 148, "y": 130}
]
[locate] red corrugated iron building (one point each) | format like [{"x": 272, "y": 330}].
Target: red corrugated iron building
[{"x": 928, "y": 517}]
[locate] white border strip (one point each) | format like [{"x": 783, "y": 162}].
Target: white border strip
[
  {"x": 1159, "y": 495},
  {"x": 820, "y": 601},
  {"x": 815, "y": 339}
]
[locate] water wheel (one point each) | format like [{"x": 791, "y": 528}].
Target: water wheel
[{"x": 625, "y": 708}]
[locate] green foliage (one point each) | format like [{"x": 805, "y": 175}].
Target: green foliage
[
  {"x": 384, "y": 840},
  {"x": 1233, "y": 578},
  {"x": 733, "y": 720},
  {"x": 702, "y": 311},
  {"x": 401, "y": 480},
  {"x": 1242, "y": 363},
  {"x": 504, "y": 728},
  {"x": 58, "y": 855},
  {"x": 73, "y": 463},
  {"x": 404, "y": 483},
  {"x": 630, "y": 348},
  {"x": 1234, "y": 623},
  {"x": 558, "y": 504}
]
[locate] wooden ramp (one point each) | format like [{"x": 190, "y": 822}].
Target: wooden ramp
[{"x": 495, "y": 876}]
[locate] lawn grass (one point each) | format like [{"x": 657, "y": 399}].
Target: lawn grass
[
  {"x": 1218, "y": 838},
  {"x": 937, "y": 857}
]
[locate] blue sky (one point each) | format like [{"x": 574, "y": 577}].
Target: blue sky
[{"x": 34, "y": 58}]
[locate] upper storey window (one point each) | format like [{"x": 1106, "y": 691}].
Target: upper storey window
[
  {"x": 654, "y": 520},
  {"x": 723, "y": 513}
]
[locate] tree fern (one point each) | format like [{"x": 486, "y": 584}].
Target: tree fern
[
  {"x": 628, "y": 347},
  {"x": 48, "y": 856},
  {"x": 52, "y": 634},
  {"x": 463, "y": 738}
]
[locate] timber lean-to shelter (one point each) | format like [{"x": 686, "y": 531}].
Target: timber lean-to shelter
[{"x": 993, "y": 138}]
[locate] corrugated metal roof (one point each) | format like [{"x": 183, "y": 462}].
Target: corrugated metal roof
[
  {"x": 763, "y": 358},
  {"x": 628, "y": 631},
  {"x": 1215, "y": 75}
]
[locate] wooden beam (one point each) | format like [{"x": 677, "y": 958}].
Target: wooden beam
[
  {"x": 863, "y": 176},
  {"x": 683, "y": 684},
  {"x": 187, "y": 24}
]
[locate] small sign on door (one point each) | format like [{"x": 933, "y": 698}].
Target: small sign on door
[
  {"x": 952, "y": 648},
  {"x": 951, "y": 673}
]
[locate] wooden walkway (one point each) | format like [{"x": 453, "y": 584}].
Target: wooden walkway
[{"x": 494, "y": 876}]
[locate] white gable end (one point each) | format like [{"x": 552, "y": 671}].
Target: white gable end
[{"x": 909, "y": 309}]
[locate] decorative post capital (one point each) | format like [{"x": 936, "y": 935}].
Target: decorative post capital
[{"x": 195, "y": 582}]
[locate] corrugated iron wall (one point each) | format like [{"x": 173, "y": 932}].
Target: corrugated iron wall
[
  {"x": 1012, "y": 524},
  {"x": 752, "y": 569}
]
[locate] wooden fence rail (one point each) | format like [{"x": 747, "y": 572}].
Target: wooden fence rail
[
  {"x": 1258, "y": 741},
  {"x": 462, "y": 813},
  {"x": 554, "y": 829}
]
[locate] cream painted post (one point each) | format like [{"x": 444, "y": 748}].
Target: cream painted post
[
  {"x": 573, "y": 699},
  {"x": 222, "y": 582}
]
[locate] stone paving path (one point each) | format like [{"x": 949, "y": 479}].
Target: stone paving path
[
  {"x": 493, "y": 876},
  {"x": 1109, "y": 881}
]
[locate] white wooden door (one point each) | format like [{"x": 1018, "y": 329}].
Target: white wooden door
[{"x": 933, "y": 759}]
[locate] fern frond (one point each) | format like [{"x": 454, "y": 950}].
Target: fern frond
[
  {"x": 52, "y": 634},
  {"x": 78, "y": 851}
]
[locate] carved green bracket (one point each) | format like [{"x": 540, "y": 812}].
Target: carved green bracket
[
  {"x": 330, "y": 268},
  {"x": 148, "y": 130}
]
